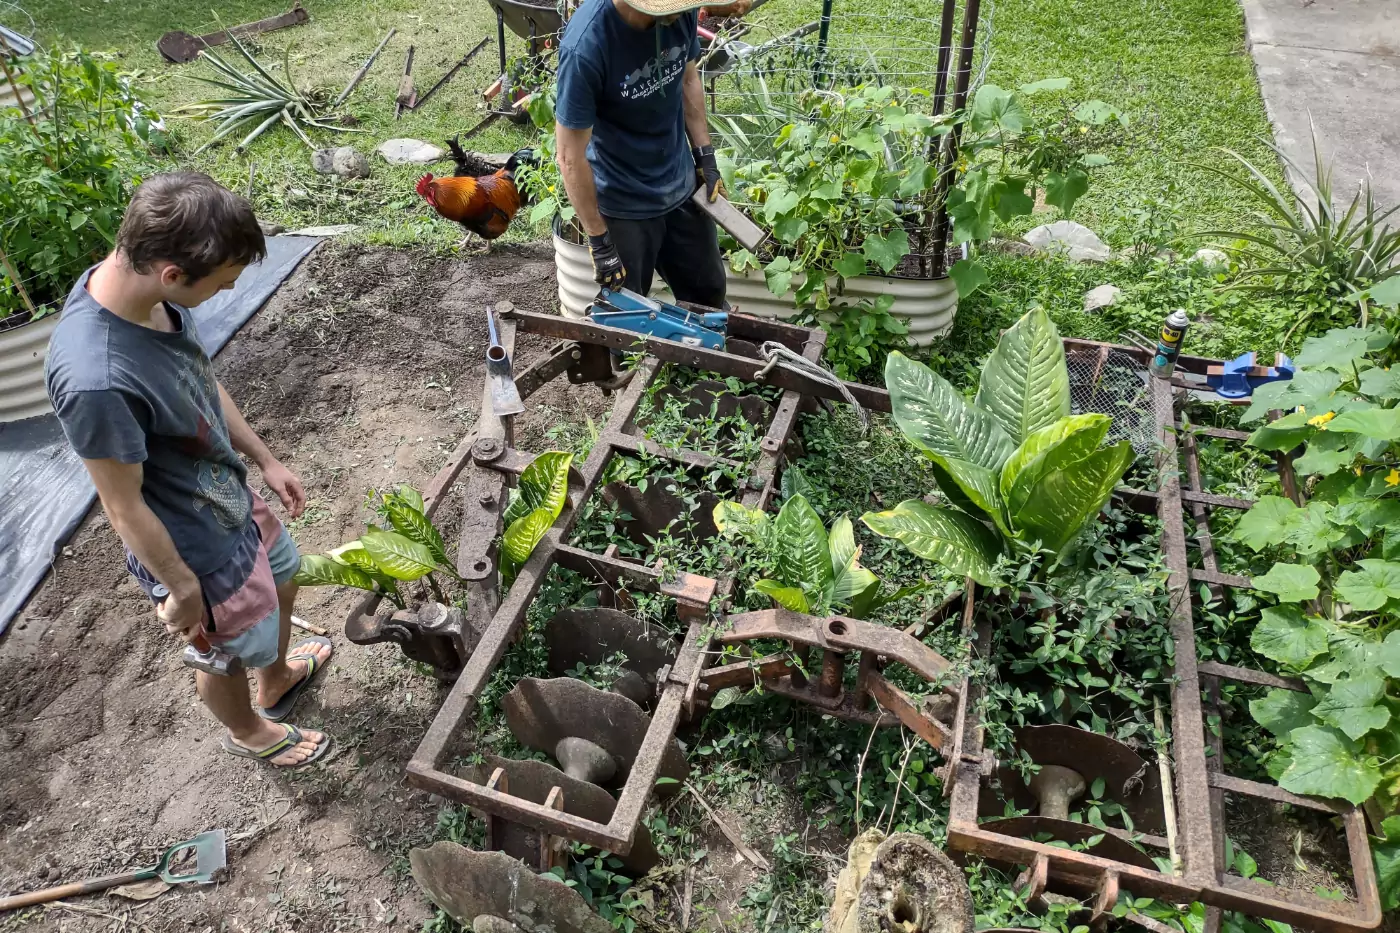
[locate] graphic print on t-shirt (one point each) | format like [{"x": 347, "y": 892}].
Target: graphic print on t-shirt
[
  {"x": 217, "y": 487},
  {"x": 655, "y": 74}
]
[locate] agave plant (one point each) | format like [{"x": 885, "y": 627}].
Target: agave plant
[
  {"x": 815, "y": 571},
  {"x": 1020, "y": 474},
  {"x": 1306, "y": 237},
  {"x": 255, "y": 98}
]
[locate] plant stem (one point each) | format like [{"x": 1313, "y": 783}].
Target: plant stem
[{"x": 437, "y": 590}]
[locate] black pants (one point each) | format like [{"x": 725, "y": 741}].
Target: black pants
[{"x": 682, "y": 245}]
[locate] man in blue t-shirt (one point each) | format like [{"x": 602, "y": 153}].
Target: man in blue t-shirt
[{"x": 633, "y": 145}]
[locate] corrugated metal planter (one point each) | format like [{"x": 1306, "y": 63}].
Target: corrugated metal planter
[
  {"x": 929, "y": 305},
  {"x": 574, "y": 271},
  {"x": 22, "y": 353}
]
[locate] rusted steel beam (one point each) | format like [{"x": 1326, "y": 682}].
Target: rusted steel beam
[
  {"x": 833, "y": 670},
  {"x": 1248, "y": 675},
  {"x": 545, "y": 370},
  {"x": 727, "y": 364},
  {"x": 842, "y": 634},
  {"x": 842, "y": 706},
  {"x": 907, "y": 711},
  {"x": 1196, "y": 831},
  {"x": 1201, "y": 575},
  {"x": 745, "y": 673},
  {"x": 969, "y": 611},
  {"x": 1142, "y": 499},
  {"x": 689, "y": 588},
  {"x": 1238, "y": 785},
  {"x": 632, "y": 444}
]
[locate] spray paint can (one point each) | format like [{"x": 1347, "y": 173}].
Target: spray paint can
[{"x": 1169, "y": 344}]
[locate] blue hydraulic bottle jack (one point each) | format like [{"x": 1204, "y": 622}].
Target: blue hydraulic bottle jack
[{"x": 627, "y": 310}]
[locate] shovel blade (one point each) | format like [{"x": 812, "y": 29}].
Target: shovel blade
[
  {"x": 505, "y": 398},
  {"x": 210, "y": 853}
]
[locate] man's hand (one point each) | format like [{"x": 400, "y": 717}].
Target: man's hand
[
  {"x": 707, "y": 171},
  {"x": 607, "y": 264},
  {"x": 285, "y": 484},
  {"x": 182, "y": 616}
]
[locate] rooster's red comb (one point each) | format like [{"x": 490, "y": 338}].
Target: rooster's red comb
[{"x": 424, "y": 183}]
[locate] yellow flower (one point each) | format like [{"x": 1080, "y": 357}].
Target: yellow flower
[
  {"x": 1356, "y": 470},
  {"x": 1393, "y": 477},
  {"x": 1083, "y": 129},
  {"x": 835, "y": 138},
  {"x": 551, "y": 189},
  {"x": 1321, "y": 420}
]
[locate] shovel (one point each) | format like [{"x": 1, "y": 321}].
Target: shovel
[
  {"x": 209, "y": 855},
  {"x": 505, "y": 398}
]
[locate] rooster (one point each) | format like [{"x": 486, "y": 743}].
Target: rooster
[{"x": 481, "y": 200}]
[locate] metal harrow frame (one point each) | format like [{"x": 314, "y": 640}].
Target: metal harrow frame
[{"x": 946, "y": 719}]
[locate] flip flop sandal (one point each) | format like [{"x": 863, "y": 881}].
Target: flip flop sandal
[
  {"x": 290, "y": 740},
  {"x": 280, "y": 710}
]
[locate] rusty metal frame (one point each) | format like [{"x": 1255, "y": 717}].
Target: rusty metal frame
[
  {"x": 493, "y": 461},
  {"x": 1199, "y": 783}
]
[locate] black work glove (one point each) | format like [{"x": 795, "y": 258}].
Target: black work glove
[
  {"x": 707, "y": 171},
  {"x": 607, "y": 264}
]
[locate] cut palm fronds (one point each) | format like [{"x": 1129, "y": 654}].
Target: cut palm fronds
[{"x": 255, "y": 101}]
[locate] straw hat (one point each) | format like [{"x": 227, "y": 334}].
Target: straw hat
[{"x": 665, "y": 7}]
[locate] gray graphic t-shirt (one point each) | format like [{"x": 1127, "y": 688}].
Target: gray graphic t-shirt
[{"x": 129, "y": 393}]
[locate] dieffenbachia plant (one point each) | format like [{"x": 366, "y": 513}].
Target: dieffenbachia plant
[
  {"x": 379, "y": 560},
  {"x": 537, "y": 502},
  {"x": 814, "y": 571},
  {"x": 1018, "y": 471}
]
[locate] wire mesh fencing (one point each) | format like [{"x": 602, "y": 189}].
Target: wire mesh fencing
[{"x": 1114, "y": 384}]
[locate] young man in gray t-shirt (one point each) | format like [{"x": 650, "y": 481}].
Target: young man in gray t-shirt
[{"x": 138, "y": 400}]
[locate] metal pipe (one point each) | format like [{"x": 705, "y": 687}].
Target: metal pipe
[{"x": 833, "y": 669}]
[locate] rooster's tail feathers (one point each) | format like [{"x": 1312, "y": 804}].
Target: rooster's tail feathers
[{"x": 527, "y": 156}]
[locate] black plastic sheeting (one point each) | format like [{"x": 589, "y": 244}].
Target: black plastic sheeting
[{"x": 44, "y": 487}]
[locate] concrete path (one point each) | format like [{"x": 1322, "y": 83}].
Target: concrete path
[{"x": 1340, "y": 61}]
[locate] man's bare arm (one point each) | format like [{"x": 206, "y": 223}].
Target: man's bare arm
[
  {"x": 241, "y": 434},
  {"x": 696, "y": 126},
  {"x": 571, "y": 147},
  {"x": 145, "y": 535},
  {"x": 282, "y": 481}
]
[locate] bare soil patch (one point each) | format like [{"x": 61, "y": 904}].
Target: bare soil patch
[{"x": 363, "y": 371}]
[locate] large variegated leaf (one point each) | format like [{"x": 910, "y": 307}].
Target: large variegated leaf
[
  {"x": 322, "y": 571},
  {"x": 849, "y": 577},
  {"x": 789, "y": 597},
  {"x": 397, "y": 556},
  {"x": 1025, "y": 384},
  {"x": 937, "y": 419},
  {"x": 415, "y": 526},
  {"x": 1066, "y": 498},
  {"x": 733, "y": 518},
  {"x": 353, "y": 554},
  {"x": 803, "y": 556},
  {"x": 958, "y": 541},
  {"x": 979, "y": 485},
  {"x": 519, "y": 541},
  {"x": 544, "y": 484},
  {"x": 1067, "y": 440}
]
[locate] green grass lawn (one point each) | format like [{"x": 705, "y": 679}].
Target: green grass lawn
[{"x": 1177, "y": 69}]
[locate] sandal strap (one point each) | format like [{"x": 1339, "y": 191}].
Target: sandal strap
[{"x": 290, "y": 740}]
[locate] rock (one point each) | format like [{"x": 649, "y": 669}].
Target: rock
[
  {"x": 323, "y": 161},
  {"x": 350, "y": 164},
  {"x": 633, "y": 686},
  {"x": 585, "y": 761},
  {"x": 406, "y": 151},
  {"x": 1101, "y": 297},
  {"x": 1213, "y": 260},
  {"x": 1074, "y": 240},
  {"x": 485, "y": 923},
  {"x": 269, "y": 228},
  {"x": 468, "y": 884},
  {"x": 334, "y": 230}
]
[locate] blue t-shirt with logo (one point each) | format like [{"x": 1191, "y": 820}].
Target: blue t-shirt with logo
[{"x": 625, "y": 84}]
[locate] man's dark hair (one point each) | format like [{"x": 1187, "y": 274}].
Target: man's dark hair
[{"x": 190, "y": 220}]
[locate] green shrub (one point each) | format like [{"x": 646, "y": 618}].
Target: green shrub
[{"x": 66, "y": 173}]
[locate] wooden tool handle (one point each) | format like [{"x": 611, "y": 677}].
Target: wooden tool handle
[{"x": 76, "y": 889}]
